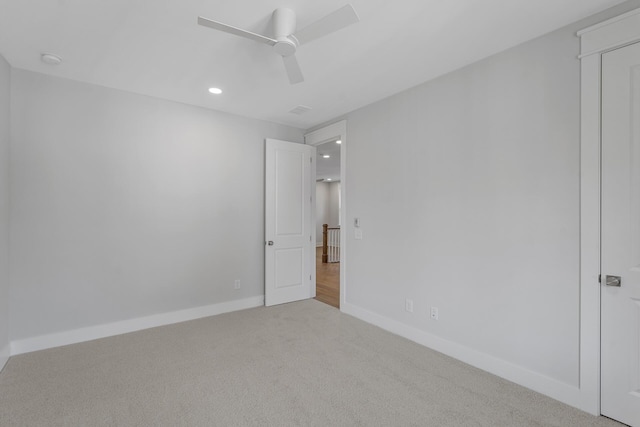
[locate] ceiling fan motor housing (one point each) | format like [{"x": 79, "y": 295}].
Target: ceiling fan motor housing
[{"x": 284, "y": 25}]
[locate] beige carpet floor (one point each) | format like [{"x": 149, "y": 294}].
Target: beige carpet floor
[{"x": 303, "y": 364}]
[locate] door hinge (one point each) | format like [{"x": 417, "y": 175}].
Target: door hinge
[
  {"x": 309, "y": 277},
  {"x": 599, "y": 278}
]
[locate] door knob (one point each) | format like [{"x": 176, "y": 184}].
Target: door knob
[
  {"x": 615, "y": 281},
  {"x": 270, "y": 243}
]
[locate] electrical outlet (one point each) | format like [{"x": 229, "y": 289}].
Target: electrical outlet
[
  {"x": 236, "y": 284},
  {"x": 434, "y": 313},
  {"x": 408, "y": 305}
]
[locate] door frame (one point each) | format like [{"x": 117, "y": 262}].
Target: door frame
[
  {"x": 595, "y": 40},
  {"x": 317, "y": 137}
]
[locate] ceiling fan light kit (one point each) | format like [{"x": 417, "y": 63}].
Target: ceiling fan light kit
[{"x": 285, "y": 39}]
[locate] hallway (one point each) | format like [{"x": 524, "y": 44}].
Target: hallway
[{"x": 327, "y": 281}]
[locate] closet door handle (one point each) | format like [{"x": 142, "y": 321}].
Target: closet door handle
[{"x": 615, "y": 281}]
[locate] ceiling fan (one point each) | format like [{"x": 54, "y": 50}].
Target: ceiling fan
[{"x": 286, "y": 39}]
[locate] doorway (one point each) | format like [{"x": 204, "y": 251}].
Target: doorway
[
  {"x": 331, "y": 242},
  {"x": 328, "y": 206}
]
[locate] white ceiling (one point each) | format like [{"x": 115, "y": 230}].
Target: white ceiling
[{"x": 155, "y": 47}]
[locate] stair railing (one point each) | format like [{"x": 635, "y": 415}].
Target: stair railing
[{"x": 330, "y": 244}]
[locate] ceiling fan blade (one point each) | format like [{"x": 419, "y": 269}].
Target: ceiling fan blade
[
  {"x": 334, "y": 21},
  {"x": 236, "y": 31},
  {"x": 293, "y": 69}
]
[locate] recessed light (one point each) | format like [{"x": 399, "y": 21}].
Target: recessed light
[
  {"x": 338, "y": 142},
  {"x": 325, "y": 156},
  {"x": 51, "y": 59},
  {"x": 328, "y": 179},
  {"x": 215, "y": 90}
]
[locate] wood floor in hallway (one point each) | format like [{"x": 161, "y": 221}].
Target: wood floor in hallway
[{"x": 327, "y": 281}]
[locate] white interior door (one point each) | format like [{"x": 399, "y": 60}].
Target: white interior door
[
  {"x": 289, "y": 222},
  {"x": 620, "y": 345}
]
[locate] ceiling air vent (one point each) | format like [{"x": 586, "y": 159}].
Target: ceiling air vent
[{"x": 300, "y": 109}]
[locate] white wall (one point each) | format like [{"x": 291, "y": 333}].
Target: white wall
[
  {"x": 5, "y": 80},
  {"x": 127, "y": 206},
  {"x": 477, "y": 211},
  {"x": 333, "y": 218}
]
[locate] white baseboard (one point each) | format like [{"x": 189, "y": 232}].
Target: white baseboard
[
  {"x": 565, "y": 393},
  {"x": 58, "y": 339},
  {"x": 4, "y": 356}
]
